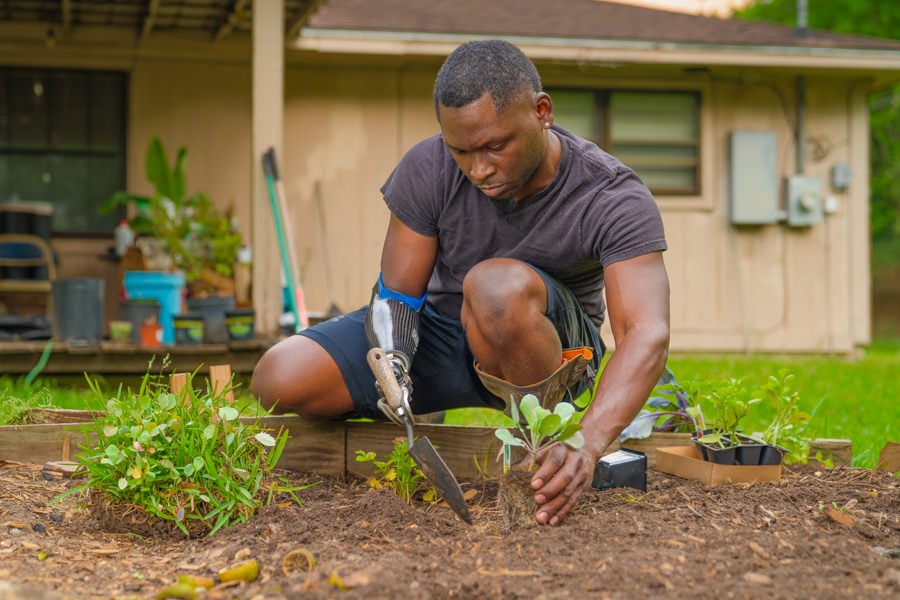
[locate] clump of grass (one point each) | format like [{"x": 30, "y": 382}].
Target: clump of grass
[
  {"x": 18, "y": 399},
  {"x": 184, "y": 458}
]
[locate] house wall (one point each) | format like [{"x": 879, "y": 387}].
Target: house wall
[{"x": 750, "y": 288}]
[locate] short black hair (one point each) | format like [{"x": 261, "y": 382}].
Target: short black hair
[{"x": 493, "y": 66}]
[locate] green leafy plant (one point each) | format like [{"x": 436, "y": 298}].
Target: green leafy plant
[
  {"x": 199, "y": 238},
  {"x": 398, "y": 473},
  {"x": 729, "y": 401},
  {"x": 540, "y": 428},
  {"x": 184, "y": 458},
  {"x": 788, "y": 427},
  {"x": 668, "y": 409}
]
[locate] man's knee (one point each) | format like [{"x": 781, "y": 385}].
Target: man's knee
[
  {"x": 496, "y": 287},
  {"x": 275, "y": 378}
]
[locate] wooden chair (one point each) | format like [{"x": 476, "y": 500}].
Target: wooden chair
[{"x": 42, "y": 258}]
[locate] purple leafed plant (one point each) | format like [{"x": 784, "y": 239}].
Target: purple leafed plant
[{"x": 668, "y": 409}]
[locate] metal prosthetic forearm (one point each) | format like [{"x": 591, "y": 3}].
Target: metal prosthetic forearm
[{"x": 392, "y": 324}]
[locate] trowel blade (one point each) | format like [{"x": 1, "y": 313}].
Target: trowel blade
[{"x": 438, "y": 473}]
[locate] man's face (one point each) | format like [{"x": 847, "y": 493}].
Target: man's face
[{"x": 500, "y": 154}]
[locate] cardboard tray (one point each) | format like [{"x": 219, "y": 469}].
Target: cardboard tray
[{"x": 685, "y": 461}]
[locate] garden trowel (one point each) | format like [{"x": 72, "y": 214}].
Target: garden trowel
[{"x": 422, "y": 450}]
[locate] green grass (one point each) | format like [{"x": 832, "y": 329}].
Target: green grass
[{"x": 850, "y": 398}]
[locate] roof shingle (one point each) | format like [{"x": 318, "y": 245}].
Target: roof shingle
[{"x": 588, "y": 19}]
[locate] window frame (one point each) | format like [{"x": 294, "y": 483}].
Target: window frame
[
  {"x": 702, "y": 198},
  {"x": 51, "y": 149}
]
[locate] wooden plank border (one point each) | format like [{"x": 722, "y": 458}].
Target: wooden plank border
[{"x": 329, "y": 448}]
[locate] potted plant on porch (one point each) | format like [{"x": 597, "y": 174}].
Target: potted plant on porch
[{"x": 187, "y": 233}]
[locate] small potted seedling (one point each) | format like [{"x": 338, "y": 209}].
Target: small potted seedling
[
  {"x": 730, "y": 403},
  {"x": 535, "y": 428},
  {"x": 785, "y": 435}
]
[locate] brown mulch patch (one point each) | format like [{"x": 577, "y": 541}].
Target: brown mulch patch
[{"x": 813, "y": 534}]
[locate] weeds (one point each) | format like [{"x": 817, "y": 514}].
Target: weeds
[
  {"x": 181, "y": 458},
  {"x": 399, "y": 473}
]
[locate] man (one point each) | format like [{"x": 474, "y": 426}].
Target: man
[{"x": 503, "y": 230}]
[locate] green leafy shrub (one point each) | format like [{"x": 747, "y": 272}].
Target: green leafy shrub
[{"x": 184, "y": 458}]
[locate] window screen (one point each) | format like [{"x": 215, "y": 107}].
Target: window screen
[
  {"x": 655, "y": 133},
  {"x": 62, "y": 141}
]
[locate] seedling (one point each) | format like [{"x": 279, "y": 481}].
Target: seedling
[
  {"x": 540, "y": 428},
  {"x": 788, "y": 427},
  {"x": 730, "y": 403},
  {"x": 399, "y": 473}
]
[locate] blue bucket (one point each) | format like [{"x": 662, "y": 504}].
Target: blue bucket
[{"x": 167, "y": 288}]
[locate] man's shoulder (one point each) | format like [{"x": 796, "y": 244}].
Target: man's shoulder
[
  {"x": 586, "y": 151},
  {"x": 429, "y": 147}
]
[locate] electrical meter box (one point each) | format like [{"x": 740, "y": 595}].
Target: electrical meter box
[
  {"x": 753, "y": 178},
  {"x": 804, "y": 200}
]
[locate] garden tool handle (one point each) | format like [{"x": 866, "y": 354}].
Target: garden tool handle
[{"x": 394, "y": 396}]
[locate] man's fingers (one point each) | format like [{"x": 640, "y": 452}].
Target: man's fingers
[{"x": 559, "y": 483}]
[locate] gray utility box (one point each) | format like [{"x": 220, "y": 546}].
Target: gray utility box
[
  {"x": 804, "y": 200},
  {"x": 753, "y": 181}
]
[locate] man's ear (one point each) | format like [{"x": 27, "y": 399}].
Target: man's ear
[{"x": 543, "y": 107}]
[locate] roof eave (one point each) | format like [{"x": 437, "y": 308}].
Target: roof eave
[{"x": 586, "y": 50}]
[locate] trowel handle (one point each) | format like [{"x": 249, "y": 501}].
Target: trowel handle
[{"x": 384, "y": 374}]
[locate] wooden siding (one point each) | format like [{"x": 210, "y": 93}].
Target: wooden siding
[{"x": 346, "y": 122}]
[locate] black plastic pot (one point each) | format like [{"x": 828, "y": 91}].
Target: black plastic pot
[
  {"x": 749, "y": 451},
  {"x": 772, "y": 455},
  {"x": 188, "y": 329},
  {"x": 723, "y": 455}
]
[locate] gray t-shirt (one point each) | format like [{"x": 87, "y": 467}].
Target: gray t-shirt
[{"x": 595, "y": 212}]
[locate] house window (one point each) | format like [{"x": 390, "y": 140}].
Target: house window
[
  {"x": 62, "y": 141},
  {"x": 655, "y": 133}
]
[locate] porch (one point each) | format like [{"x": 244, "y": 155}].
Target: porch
[{"x": 123, "y": 360}]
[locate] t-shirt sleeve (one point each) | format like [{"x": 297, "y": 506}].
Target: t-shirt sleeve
[
  {"x": 629, "y": 224},
  {"x": 413, "y": 191}
]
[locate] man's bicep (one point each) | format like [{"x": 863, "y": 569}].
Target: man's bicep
[
  {"x": 637, "y": 294},
  {"x": 407, "y": 259}
]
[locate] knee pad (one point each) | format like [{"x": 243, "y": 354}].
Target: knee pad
[{"x": 576, "y": 366}]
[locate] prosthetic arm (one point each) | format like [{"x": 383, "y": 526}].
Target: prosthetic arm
[{"x": 392, "y": 324}]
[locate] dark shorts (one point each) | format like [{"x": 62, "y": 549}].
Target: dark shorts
[{"x": 443, "y": 371}]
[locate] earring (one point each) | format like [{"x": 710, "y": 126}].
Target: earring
[{"x": 547, "y": 124}]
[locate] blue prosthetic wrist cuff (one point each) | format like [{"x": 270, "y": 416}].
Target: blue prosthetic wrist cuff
[{"x": 414, "y": 303}]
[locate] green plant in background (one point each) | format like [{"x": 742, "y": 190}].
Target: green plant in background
[
  {"x": 788, "y": 427},
  {"x": 182, "y": 458},
  {"x": 540, "y": 428},
  {"x": 16, "y": 401},
  {"x": 398, "y": 473},
  {"x": 668, "y": 409},
  {"x": 199, "y": 238},
  {"x": 729, "y": 401}
]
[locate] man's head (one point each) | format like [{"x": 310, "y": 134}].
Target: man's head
[
  {"x": 491, "y": 66},
  {"x": 495, "y": 119}
]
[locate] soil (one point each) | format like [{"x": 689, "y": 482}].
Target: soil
[{"x": 812, "y": 534}]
